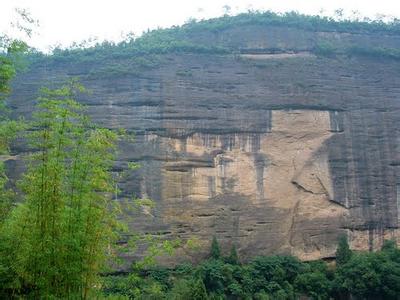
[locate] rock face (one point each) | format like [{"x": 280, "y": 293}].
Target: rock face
[{"x": 271, "y": 152}]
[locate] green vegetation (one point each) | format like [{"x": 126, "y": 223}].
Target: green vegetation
[
  {"x": 11, "y": 61},
  {"x": 343, "y": 252},
  {"x": 53, "y": 243},
  {"x": 144, "y": 48},
  {"x": 190, "y": 38},
  {"x": 215, "y": 251},
  {"x": 329, "y": 49},
  {"x": 61, "y": 234},
  {"x": 10, "y": 53},
  {"x": 132, "y": 66},
  {"x": 293, "y": 19},
  {"x": 325, "y": 48},
  {"x": 57, "y": 240},
  {"x": 61, "y": 231},
  {"x": 363, "y": 275}
]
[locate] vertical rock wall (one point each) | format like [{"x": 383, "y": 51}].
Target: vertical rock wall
[{"x": 273, "y": 153}]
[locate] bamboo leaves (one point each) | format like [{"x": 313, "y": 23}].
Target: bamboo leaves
[{"x": 67, "y": 221}]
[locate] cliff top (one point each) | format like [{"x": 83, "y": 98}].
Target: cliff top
[{"x": 242, "y": 34}]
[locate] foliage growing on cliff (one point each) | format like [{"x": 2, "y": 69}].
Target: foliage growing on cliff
[
  {"x": 296, "y": 20},
  {"x": 189, "y": 38},
  {"x": 329, "y": 49}
]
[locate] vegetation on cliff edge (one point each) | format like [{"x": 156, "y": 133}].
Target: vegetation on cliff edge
[{"x": 184, "y": 39}]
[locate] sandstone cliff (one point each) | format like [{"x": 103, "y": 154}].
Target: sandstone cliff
[{"x": 271, "y": 147}]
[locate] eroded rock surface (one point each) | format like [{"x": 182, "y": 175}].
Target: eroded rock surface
[{"x": 273, "y": 153}]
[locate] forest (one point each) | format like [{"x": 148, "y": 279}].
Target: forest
[
  {"x": 362, "y": 275},
  {"x": 59, "y": 227}
]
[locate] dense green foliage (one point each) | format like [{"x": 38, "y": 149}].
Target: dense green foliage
[
  {"x": 12, "y": 51},
  {"x": 294, "y": 19},
  {"x": 54, "y": 243},
  {"x": 363, "y": 275},
  {"x": 215, "y": 251},
  {"x": 370, "y": 275},
  {"x": 343, "y": 252},
  {"x": 9, "y": 63}
]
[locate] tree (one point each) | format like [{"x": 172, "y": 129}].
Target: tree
[
  {"x": 61, "y": 233},
  {"x": 8, "y": 64},
  {"x": 387, "y": 265},
  {"x": 358, "y": 277},
  {"x": 188, "y": 289},
  {"x": 216, "y": 275},
  {"x": 314, "y": 284},
  {"x": 389, "y": 245},
  {"x": 215, "y": 250},
  {"x": 343, "y": 252},
  {"x": 199, "y": 290},
  {"x": 12, "y": 51},
  {"x": 233, "y": 257}
]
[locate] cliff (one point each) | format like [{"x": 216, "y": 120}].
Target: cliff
[{"x": 276, "y": 138}]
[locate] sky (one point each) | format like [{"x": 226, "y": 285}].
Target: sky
[{"x": 62, "y": 22}]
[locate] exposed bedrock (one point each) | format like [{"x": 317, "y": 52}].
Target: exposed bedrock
[{"x": 273, "y": 153}]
